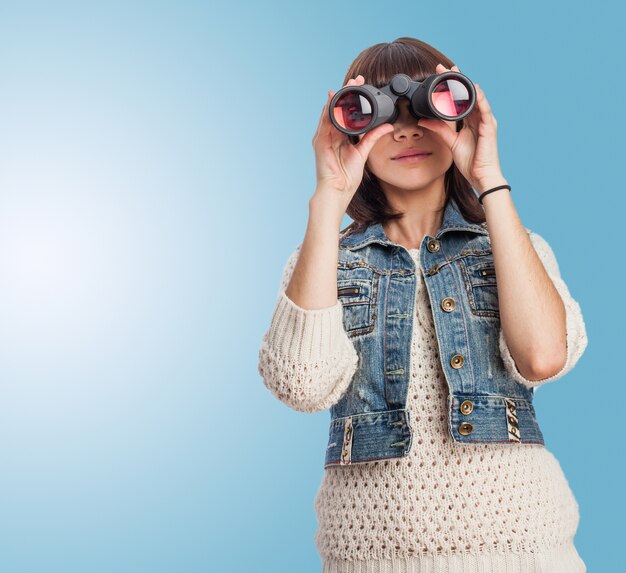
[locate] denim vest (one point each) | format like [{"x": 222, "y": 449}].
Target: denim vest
[{"x": 376, "y": 281}]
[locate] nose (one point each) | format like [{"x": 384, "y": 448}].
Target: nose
[{"x": 406, "y": 124}]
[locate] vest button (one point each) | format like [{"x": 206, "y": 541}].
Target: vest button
[
  {"x": 466, "y": 407},
  {"x": 433, "y": 245},
  {"x": 448, "y": 304},
  {"x": 465, "y": 428},
  {"x": 457, "y": 361}
]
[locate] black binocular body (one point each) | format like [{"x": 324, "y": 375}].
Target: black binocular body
[{"x": 355, "y": 110}]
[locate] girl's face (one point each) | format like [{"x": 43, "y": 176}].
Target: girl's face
[{"x": 404, "y": 175}]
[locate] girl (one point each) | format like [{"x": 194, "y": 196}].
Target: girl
[{"x": 439, "y": 465}]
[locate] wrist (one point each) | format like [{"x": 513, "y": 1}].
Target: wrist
[
  {"x": 327, "y": 206},
  {"x": 490, "y": 182}
]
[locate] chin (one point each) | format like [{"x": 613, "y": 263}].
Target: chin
[{"x": 409, "y": 185}]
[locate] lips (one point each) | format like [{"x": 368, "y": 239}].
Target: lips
[{"x": 410, "y": 152}]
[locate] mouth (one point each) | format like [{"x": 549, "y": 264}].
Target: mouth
[{"x": 412, "y": 157}]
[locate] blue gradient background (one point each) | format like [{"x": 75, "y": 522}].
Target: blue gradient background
[{"x": 155, "y": 170}]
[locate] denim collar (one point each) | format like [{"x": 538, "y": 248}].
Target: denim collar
[{"x": 453, "y": 220}]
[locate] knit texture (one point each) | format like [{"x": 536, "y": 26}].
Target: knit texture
[
  {"x": 306, "y": 358},
  {"x": 445, "y": 506}
]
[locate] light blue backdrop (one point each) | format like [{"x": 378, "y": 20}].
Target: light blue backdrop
[{"x": 155, "y": 170}]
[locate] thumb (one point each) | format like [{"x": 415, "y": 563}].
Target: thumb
[
  {"x": 440, "y": 128},
  {"x": 371, "y": 137}
]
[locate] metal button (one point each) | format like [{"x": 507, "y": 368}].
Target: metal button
[
  {"x": 433, "y": 270},
  {"x": 465, "y": 428},
  {"x": 466, "y": 407},
  {"x": 448, "y": 304},
  {"x": 457, "y": 361},
  {"x": 433, "y": 245}
]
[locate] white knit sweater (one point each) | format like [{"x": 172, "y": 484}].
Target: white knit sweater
[{"x": 445, "y": 507}]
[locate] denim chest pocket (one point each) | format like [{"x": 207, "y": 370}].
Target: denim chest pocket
[
  {"x": 481, "y": 285},
  {"x": 357, "y": 288}
]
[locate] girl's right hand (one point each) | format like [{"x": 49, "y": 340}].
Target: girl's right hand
[{"x": 339, "y": 163}]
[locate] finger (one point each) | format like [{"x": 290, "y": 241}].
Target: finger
[
  {"x": 371, "y": 137},
  {"x": 440, "y": 128},
  {"x": 355, "y": 81},
  {"x": 483, "y": 104},
  {"x": 480, "y": 96},
  {"x": 325, "y": 106},
  {"x": 444, "y": 69},
  {"x": 324, "y": 121}
]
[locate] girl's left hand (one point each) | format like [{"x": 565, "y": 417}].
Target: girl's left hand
[{"x": 474, "y": 148}]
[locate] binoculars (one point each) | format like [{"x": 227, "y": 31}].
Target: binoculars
[{"x": 355, "y": 110}]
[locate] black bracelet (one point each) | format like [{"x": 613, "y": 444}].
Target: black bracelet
[{"x": 480, "y": 197}]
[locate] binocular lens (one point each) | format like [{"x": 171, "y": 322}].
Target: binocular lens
[
  {"x": 353, "y": 111},
  {"x": 451, "y": 98}
]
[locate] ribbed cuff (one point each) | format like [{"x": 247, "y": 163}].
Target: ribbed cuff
[
  {"x": 306, "y": 335},
  {"x": 560, "y": 559}
]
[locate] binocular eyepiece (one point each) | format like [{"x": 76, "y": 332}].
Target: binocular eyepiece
[{"x": 355, "y": 110}]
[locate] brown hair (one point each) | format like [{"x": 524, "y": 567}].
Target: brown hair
[{"x": 378, "y": 64}]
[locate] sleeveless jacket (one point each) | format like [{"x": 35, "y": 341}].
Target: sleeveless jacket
[{"x": 376, "y": 280}]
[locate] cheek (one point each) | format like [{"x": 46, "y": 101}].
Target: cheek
[
  {"x": 374, "y": 165},
  {"x": 444, "y": 157},
  {"x": 376, "y": 155}
]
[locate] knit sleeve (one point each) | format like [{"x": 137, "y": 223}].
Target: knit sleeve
[
  {"x": 575, "y": 325},
  {"x": 306, "y": 358}
]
